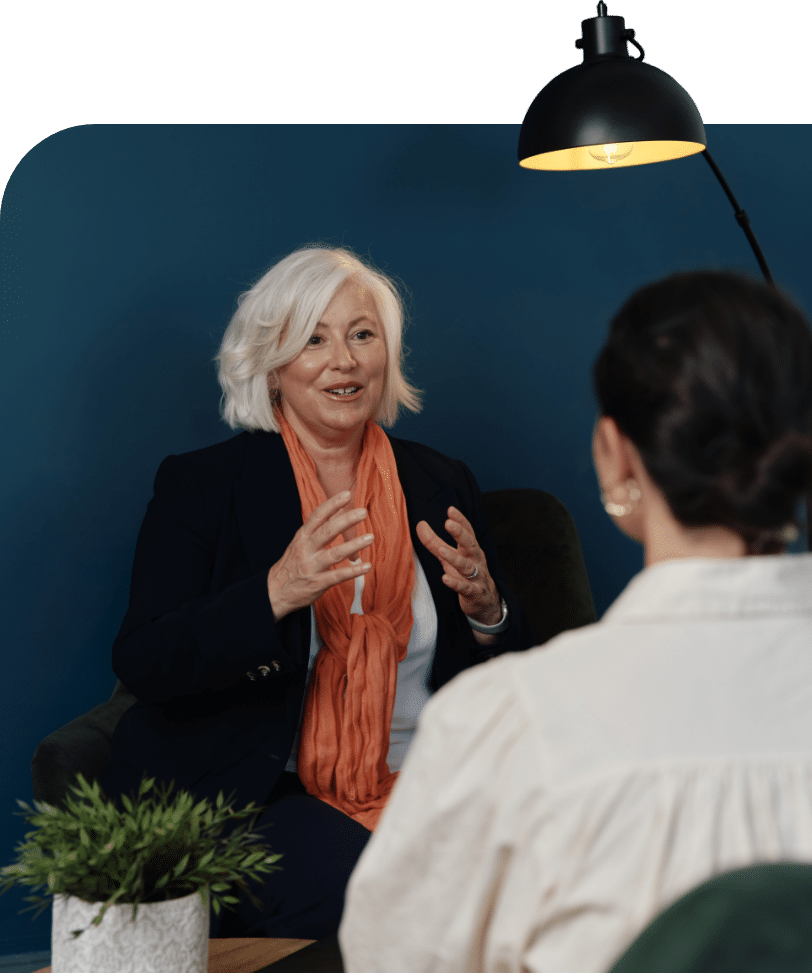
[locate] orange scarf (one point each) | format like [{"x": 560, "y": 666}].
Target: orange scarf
[{"x": 348, "y": 711}]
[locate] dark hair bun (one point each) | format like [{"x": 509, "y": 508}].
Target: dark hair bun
[{"x": 710, "y": 376}]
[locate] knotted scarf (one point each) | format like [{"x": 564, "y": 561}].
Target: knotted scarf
[{"x": 351, "y": 694}]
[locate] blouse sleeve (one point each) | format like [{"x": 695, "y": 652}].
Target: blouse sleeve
[
  {"x": 179, "y": 637},
  {"x": 434, "y": 889}
]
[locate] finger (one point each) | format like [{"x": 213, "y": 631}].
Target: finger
[
  {"x": 428, "y": 538},
  {"x": 340, "y": 575},
  {"x": 466, "y": 541},
  {"x": 452, "y": 558},
  {"x": 326, "y": 510},
  {"x": 442, "y": 551},
  {"x": 460, "y": 528},
  {"x": 327, "y": 532},
  {"x": 335, "y": 555},
  {"x": 460, "y": 585},
  {"x": 456, "y": 514}
]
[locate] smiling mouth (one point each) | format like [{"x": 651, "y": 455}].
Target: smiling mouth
[{"x": 346, "y": 390}]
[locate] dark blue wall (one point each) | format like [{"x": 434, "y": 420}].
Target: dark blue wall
[{"x": 124, "y": 250}]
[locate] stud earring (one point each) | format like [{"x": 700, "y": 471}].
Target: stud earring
[{"x": 630, "y": 490}]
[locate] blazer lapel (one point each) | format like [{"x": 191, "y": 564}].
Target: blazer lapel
[
  {"x": 266, "y": 500},
  {"x": 426, "y": 499}
]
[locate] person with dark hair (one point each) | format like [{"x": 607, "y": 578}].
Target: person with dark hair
[{"x": 555, "y": 801}]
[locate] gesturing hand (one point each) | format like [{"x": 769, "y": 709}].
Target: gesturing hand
[
  {"x": 479, "y": 598},
  {"x": 305, "y": 570}
]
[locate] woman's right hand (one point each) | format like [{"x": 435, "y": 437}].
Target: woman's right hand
[{"x": 305, "y": 570}]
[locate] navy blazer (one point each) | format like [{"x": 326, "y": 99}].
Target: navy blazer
[{"x": 219, "y": 684}]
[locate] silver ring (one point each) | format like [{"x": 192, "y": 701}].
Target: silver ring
[{"x": 471, "y": 577}]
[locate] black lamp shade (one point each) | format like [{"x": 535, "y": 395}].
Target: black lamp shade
[{"x": 608, "y": 112}]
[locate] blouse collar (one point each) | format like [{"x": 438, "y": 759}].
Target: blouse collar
[{"x": 702, "y": 587}]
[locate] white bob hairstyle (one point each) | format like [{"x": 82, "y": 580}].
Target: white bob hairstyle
[{"x": 275, "y": 319}]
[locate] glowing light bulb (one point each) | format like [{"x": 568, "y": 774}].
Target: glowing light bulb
[{"x": 612, "y": 152}]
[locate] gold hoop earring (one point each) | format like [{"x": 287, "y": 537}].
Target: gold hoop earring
[{"x": 630, "y": 490}]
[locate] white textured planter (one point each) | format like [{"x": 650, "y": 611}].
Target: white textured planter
[{"x": 166, "y": 937}]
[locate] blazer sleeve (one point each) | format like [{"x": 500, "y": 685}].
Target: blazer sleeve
[{"x": 180, "y": 637}]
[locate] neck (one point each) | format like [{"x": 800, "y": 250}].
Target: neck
[
  {"x": 666, "y": 539},
  {"x": 335, "y": 456}
]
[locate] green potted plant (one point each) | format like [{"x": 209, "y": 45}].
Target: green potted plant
[{"x": 148, "y": 870}]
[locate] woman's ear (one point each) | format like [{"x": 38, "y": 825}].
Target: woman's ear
[{"x": 609, "y": 454}]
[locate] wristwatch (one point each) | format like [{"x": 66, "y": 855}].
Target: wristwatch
[{"x": 500, "y": 626}]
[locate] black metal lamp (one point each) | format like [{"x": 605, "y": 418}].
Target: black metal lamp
[
  {"x": 611, "y": 110},
  {"x": 614, "y": 110}
]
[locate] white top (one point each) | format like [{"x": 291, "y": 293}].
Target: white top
[
  {"x": 554, "y": 801},
  {"x": 411, "y": 692}
]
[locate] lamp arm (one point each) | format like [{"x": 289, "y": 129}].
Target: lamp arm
[
  {"x": 744, "y": 223},
  {"x": 741, "y": 218}
]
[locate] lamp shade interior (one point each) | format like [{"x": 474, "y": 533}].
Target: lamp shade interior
[{"x": 611, "y": 155}]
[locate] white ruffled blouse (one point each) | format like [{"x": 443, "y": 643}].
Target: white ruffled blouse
[{"x": 554, "y": 801}]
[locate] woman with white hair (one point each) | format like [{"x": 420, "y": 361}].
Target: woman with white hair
[{"x": 301, "y": 589}]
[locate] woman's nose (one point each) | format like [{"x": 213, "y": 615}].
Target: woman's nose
[{"x": 342, "y": 355}]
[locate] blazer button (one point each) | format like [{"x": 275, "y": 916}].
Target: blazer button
[
  {"x": 264, "y": 671},
  {"x": 252, "y": 676},
  {"x": 277, "y": 666}
]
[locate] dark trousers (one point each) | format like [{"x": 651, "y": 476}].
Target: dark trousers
[{"x": 319, "y": 847}]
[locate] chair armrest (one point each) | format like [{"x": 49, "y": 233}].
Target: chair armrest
[{"x": 83, "y": 745}]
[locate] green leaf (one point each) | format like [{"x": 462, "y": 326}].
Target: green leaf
[
  {"x": 205, "y": 859},
  {"x": 100, "y": 852},
  {"x": 181, "y": 865}
]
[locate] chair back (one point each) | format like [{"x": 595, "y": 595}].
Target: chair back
[{"x": 540, "y": 555}]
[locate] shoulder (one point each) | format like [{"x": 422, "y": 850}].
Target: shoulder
[
  {"x": 202, "y": 482},
  {"x": 431, "y": 461},
  {"x": 227, "y": 452},
  {"x": 221, "y": 461}
]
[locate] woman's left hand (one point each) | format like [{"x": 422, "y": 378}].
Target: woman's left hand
[{"x": 478, "y": 596}]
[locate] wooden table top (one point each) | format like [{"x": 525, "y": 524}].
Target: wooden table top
[{"x": 244, "y": 955}]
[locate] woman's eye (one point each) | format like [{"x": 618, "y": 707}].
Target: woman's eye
[
  {"x": 314, "y": 339},
  {"x": 366, "y": 333}
]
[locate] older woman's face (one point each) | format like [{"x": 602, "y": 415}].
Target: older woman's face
[{"x": 336, "y": 383}]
